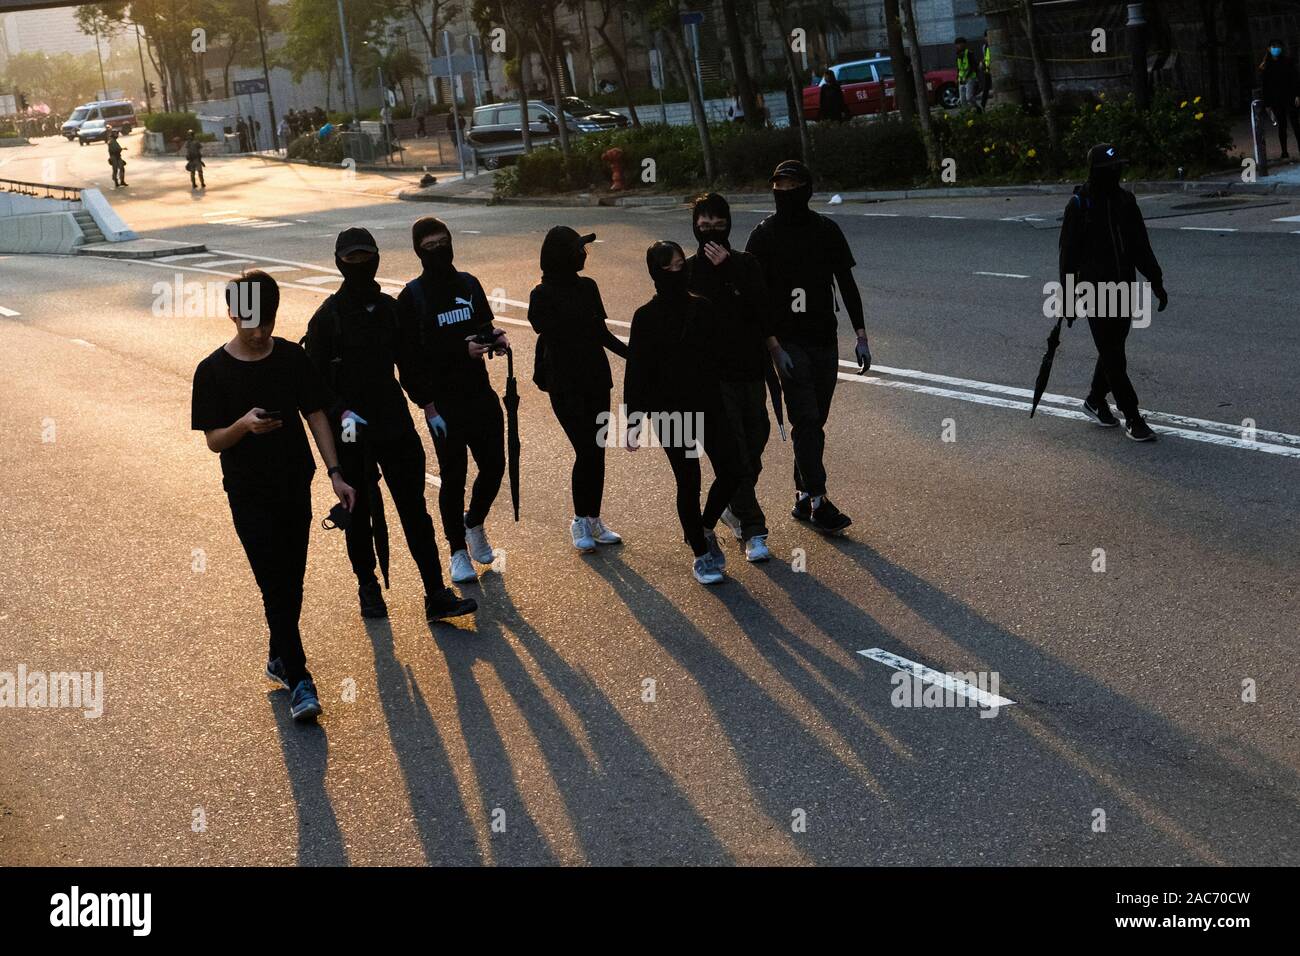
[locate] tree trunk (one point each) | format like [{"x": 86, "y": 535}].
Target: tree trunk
[
  {"x": 620, "y": 67},
  {"x": 669, "y": 38},
  {"x": 1210, "y": 33},
  {"x": 736, "y": 43},
  {"x": 908, "y": 22},
  {"x": 796, "y": 87},
  {"x": 1041, "y": 76},
  {"x": 556, "y": 91},
  {"x": 904, "y": 85},
  {"x": 525, "y": 85}
]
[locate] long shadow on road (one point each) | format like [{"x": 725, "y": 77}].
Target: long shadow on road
[{"x": 306, "y": 758}]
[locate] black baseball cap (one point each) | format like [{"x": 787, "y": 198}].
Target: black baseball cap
[
  {"x": 793, "y": 169},
  {"x": 355, "y": 239},
  {"x": 1103, "y": 156}
]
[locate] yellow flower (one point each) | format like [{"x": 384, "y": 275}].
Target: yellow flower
[
  {"x": 986, "y": 149},
  {"x": 1183, "y": 105},
  {"x": 1097, "y": 108},
  {"x": 1101, "y": 96},
  {"x": 1197, "y": 100},
  {"x": 970, "y": 122},
  {"x": 1199, "y": 116},
  {"x": 1032, "y": 152}
]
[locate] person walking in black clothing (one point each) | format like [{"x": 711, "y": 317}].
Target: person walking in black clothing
[
  {"x": 247, "y": 399},
  {"x": 830, "y": 104},
  {"x": 115, "y": 160},
  {"x": 804, "y": 256},
  {"x": 733, "y": 282},
  {"x": 194, "y": 161},
  {"x": 445, "y": 315},
  {"x": 354, "y": 340},
  {"x": 672, "y": 397},
  {"x": 1281, "y": 92},
  {"x": 1104, "y": 240},
  {"x": 567, "y": 313}
]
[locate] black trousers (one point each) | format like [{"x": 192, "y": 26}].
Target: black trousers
[
  {"x": 476, "y": 428},
  {"x": 1284, "y": 113},
  {"x": 1111, "y": 373},
  {"x": 579, "y": 415},
  {"x": 808, "y": 393},
  {"x": 119, "y": 174},
  {"x": 745, "y": 406},
  {"x": 273, "y": 526},
  {"x": 720, "y": 445},
  {"x": 401, "y": 462}
]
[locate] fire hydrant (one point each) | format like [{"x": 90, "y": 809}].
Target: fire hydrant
[{"x": 614, "y": 158}]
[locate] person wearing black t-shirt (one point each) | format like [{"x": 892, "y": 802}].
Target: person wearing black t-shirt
[
  {"x": 804, "y": 256},
  {"x": 442, "y": 313},
  {"x": 248, "y": 396},
  {"x": 671, "y": 390},
  {"x": 355, "y": 340},
  {"x": 568, "y": 315}
]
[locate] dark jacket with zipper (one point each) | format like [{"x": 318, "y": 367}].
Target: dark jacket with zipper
[
  {"x": 744, "y": 313},
  {"x": 569, "y": 317},
  {"x": 672, "y": 359},
  {"x": 354, "y": 340},
  {"x": 1104, "y": 239},
  {"x": 436, "y": 316}
]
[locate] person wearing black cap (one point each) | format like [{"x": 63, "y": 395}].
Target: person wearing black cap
[
  {"x": 804, "y": 256},
  {"x": 1104, "y": 240},
  {"x": 733, "y": 282},
  {"x": 445, "y": 314},
  {"x": 355, "y": 340},
  {"x": 250, "y": 397},
  {"x": 566, "y": 311},
  {"x": 671, "y": 385}
]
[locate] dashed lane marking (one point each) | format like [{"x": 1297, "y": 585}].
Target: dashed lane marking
[
  {"x": 1206, "y": 229},
  {"x": 1001, "y": 275},
  {"x": 931, "y": 676}
]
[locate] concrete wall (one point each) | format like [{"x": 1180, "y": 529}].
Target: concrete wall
[
  {"x": 14, "y": 204},
  {"x": 51, "y": 232}
]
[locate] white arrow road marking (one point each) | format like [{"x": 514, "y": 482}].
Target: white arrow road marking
[
  {"x": 931, "y": 676},
  {"x": 8, "y": 313}
]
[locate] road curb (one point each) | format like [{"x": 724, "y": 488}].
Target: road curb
[{"x": 139, "y": 249}]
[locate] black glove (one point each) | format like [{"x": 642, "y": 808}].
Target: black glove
[
  {"x": 1161, "y": 295},
  {"x": 863, "y": 352}
]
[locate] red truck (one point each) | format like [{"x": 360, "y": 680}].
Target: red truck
[{"x": 869, "y": 88}]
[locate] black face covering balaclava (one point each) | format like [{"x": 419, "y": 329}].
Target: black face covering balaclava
[
  {"x": 438, "y": 260},
  {"x": 714, "y": 207},
  {"x": 563, "y": 253},
  {"x": 1105, "y": 179},
  {"x": 357, "y": 276},
  {"x": 668, "y": 284}
]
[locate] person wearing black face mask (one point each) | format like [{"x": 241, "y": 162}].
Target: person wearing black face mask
[
  {"x": 804, "y": 257},
  {"x": 733, "y": 281},
  {"x": 355, "y": 341},
  {"x": 1104, "y": 240},
  {"x": 443, "y": 312},
  {"x": 566, "y": 311},
  {"x": 672, "y": 396},
  {"x": 1281, "y": 92}
]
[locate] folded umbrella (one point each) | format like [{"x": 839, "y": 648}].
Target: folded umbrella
[
  {"x": 1045, "y": 368},
  {"x": 774, "y": 389},
  {"x": 512, "y": 429},
  {"x": 378, "y": 523}
]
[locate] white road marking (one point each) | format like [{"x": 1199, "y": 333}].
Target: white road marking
[
  {"x": 191, "y": 255},
  {"x": 931, "y": 676},
  {"x": 882, "y": 215},
  {"x": 471, "y": 232},
  {"x": 1001, "y": 275},
  {"x": 9, "y": 313},
  {"x": 945, "y": 217},
  {"x": 226, "y": 262},
  {"x": 83, "y": 343},
  {"x": 1288, "y": 219},
  {"x": 1022, "y": 219},
  {"x": 223, "y": 212},
  {"x": 1206, "y": 229},
  {"x": 231, "y": 221},
  {"x": 316, "y": 280},
  {"x": 272, "y": 225}
]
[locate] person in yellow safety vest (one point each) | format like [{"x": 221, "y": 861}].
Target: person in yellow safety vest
[
  {"x": 987, "y": 75},
  {"x": 968, "y": 74}
]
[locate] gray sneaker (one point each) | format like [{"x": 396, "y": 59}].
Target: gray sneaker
[
  {"x": 706, "y": 571},
  {"x": 715, "y": 552}
]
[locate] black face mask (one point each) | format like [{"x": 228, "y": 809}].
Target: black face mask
[
  {"x": 1105, "y": 180},
  {"x": 792, "y": 203},
  {"x": 721, "y": 236},
  {"x": 669, "y": 284},
  {"x": 358, "y": 274},
  {"x": 437, "y": 260}
]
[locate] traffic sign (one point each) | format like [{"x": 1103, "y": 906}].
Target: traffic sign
[
  {"x": 692, "y": 19},
  {"x": 245, "y": 87}
]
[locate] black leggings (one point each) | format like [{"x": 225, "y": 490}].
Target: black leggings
[
  {"x": 273, "y": 526},
  {"x": 479, "y": 430},
  {"x": 719, "y": 445},
  {"x": 579, "y": 415}
]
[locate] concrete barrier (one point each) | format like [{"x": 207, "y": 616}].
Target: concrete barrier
[
  {"x": 50, "y": 233},
  {"x": 108, "y": 221}
]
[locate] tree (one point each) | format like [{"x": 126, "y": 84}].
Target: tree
[
  {"x": 666, "y": 18},
  {"x": 510, "y": 15},
  {"x": 607, "y": 10},
  {"x": 744, "y": 85},
  {"x": 904, "y": 85},
  {"x": 1041, "y": 76},
  {"x": 784, "y": 14},
  {"x": 440, "y": 12},
  {"x": 540, "y": 19},
  {"x": 908, "y": 22}
]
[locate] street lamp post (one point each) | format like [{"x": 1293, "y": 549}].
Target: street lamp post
[
  {"x": 148, "y": 97},
  {"x": 1137, "y": 37},
  {"x": 347, "y": 62},
  {"x": 266, "y": 75}
]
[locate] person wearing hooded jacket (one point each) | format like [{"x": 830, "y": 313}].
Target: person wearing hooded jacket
[
  {"x": 733, "y": 282},
  {"x": 445, "y": 314},
  {"x": 354, "y": 340},
  {"x": 671, "y": 387},
  {"x": 804, "y": 257},
  {"x": 566, "y": 311},
  {"x": 1104, "y": 239}
]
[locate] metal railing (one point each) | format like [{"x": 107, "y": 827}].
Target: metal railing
[{"x": 65, "y": 193}]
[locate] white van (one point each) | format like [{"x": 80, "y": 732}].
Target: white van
[{"x": 116, "y": 114}]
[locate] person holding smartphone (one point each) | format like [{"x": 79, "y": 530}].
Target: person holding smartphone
[{"x": 249, "y": 399}]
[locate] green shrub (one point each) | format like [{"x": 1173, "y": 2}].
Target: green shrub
[
  {"x": 173, "y": 126},
  {"x": 1176, "y": 131},
  {"x": 1002, "y": 144},
  {"x": 309, "y": 146},
  {"x": 7, "y": 132}
]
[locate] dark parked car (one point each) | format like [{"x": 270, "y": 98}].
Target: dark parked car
[{"x": 496, "y": 133}]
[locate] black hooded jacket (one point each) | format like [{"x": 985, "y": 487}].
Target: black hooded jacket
[
  {"x": 1104, "y": 238},
  {"x": 567, "y": 313},
  {"x": 436, "y": 315},
  {"x": 672, "y": 360},
  {"x": 743, "y": 313},
  {"x": 1280, "y": 82}
]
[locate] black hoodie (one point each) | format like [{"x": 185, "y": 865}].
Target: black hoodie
[
  {"x": 1104, "y": 238},
  {"x": 672, "y": 361},
  {"x": 567, "y": 313},
  {"x": 744, "y": 313}
]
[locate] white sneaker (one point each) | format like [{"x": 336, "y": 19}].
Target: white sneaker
[
  {"x": 601, "y": 534},
  {"x": 462, "y": 569},
  {"x": 477, "y": 542},
  {"x": 715, "y": 551},
  {"x": 706, "y": 571},
  {"x": 756, "y": 549},
  {"x": 581, "y": 534},
  {"x": 732, "y": 522}
]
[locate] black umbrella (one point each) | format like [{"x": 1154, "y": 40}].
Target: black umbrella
[
  {"x": 378, "y": 523},
  {"x": 512, "y": 428},
  {"x": 774, "y": 389},
  {"x": 1045, "y": 369}
]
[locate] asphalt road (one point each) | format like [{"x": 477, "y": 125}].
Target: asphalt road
[{"x": 524, "y": 736}]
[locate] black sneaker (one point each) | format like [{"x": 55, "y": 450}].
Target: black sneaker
[
  {"x": 304, "y": 705},
  {"x": 372, "y": 600},
  {"x": 1101, "y": 414},
  {"x": 275, "y": 672},
  {"x": 1138, "y": 430},
  {"x": 447, "y": 603},
  {"x": 829, "y": 519},
  {"x": 802, "y": 510}
]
